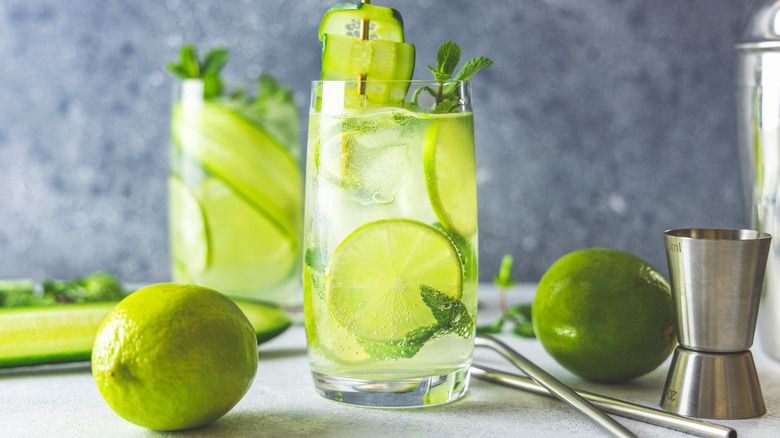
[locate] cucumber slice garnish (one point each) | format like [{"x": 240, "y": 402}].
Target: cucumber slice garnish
[
  {"x": 344, "y": 19},
  {"x": 344, "y": 58}
]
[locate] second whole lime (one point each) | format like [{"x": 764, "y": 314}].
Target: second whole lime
[{"x": 605, "y": 315}]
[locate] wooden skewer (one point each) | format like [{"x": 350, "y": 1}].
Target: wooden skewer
[{"x": 364, "y": 24}]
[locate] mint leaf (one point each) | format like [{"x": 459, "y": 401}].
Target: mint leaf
[
  {"x": 521, "y": 315},
  {"x": 188, "y": 66},
  {"x": 450, "y": 313},
  {"x": 447, "y": 58},
  {"x": 215, "y": 60},
  {"x": 208, "y": 71},
  {"x": 409, "y": 346},
  {"x": 472, "y": 67},
  {"x": 441, "y": 77},
  {"x": 451, "y": 317},
  {"x": 418, "y": 91},
  {"x": 273, "y": 109},
  {"x": 503, "y": 278},
  {"x": 491, "y": 329}
]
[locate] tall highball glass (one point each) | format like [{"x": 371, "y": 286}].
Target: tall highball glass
[{"x": 390, "y": 241}]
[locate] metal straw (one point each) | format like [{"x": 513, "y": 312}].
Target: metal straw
[
  {"x": 612, "y": 405},
  {"x": 364, "y": 27},
  {"x": 556, "y": 387}
]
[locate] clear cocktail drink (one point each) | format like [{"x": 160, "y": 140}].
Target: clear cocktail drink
[
  {"x": 390, "y": 246},
  {"x": 235, "y": 195}
]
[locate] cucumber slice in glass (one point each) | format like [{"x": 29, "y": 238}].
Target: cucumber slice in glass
[{"x": 344, "y": 19}]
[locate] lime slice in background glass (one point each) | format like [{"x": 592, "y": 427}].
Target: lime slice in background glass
[
  {"x": 245, "y": 157},
  {"x": 344, "y": 19},
  {"x": 189, "y": 233},
  {"x": 250, "y": 251},
  {"x": 374, "y": 278},
  {"x": 448, "y": 160}
]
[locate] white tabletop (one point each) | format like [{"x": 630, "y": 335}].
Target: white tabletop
[{"x": 64, "y": 401}]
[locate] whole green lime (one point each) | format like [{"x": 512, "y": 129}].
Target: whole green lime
[
  {"x": 174, "y": 356},
  {"x": 605, "y": 315}
]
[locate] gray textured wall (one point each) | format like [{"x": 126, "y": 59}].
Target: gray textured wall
[{"x": 602, "y": 123}]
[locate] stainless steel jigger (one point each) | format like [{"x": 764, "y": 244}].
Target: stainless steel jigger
[{"x": 716, "y": 278}]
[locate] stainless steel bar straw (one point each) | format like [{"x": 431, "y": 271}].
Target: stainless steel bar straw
[
  {"x": 612, "y": 405},
  {"x": 555, "y": 387}
]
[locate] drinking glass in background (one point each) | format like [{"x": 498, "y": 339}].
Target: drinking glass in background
[
  {"x": 390, "y": 242},
  {"x": 235, "y": 191}
]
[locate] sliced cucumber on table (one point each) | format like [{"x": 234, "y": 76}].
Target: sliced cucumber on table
[{"x": 66, "y": 333}]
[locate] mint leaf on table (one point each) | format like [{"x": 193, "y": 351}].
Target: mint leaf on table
[
  {"x": 95, "y": 287},
  {"x": 521, "y": 315},
  {"x": 503, "y": 278},
  {"x": 491, "y": 329}
]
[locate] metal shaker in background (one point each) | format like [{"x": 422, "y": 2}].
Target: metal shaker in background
[{"x": 758, "y": 127}]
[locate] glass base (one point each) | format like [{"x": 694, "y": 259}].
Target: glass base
[{"x": 393, "y": 393}]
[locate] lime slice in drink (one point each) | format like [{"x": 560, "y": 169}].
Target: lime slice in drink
[
  {"x": 448, "y": 160},
  {"x": 344, "y": 19},
  {"x": 245, "y": 157},
  {"x": 373, "y": 278},
  {"x": 250, "y": 251},
  {"x": 189, "y": 233},
  {"x": 325, "y": 335}
]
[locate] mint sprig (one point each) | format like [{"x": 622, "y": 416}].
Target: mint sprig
[
  {"x": 447, "y": 59},
  {"x": 451, "y": 317},
  {"x": 208, "y": 70},
  {"x": 272, "y": 107},
  {"x": 519, "y": 314}
]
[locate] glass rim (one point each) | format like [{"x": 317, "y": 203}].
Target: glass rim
[{"x": 397, "y": 81}]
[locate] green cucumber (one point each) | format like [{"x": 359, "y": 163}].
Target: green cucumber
[
  {"x": 344, "y": 19},
  {"x": 66, "y": 333},
  {"x": 344, "y": 58},
  {"x": 244, "y": 156}
]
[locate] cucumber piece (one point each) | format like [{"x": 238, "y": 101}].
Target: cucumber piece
[
  {"x": 344, "y": 19},
  {"x": 344, "y": 58},
  {"x": 66, "y": 333},
  {"x": 244, "y": 156}
]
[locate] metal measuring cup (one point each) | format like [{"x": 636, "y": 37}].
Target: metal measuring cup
[{"x": 716, "y": 278}]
